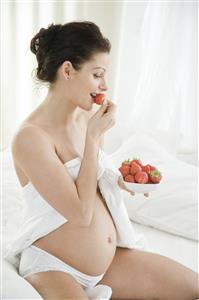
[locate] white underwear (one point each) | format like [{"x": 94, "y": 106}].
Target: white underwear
[{"x": 35, "y": 260}]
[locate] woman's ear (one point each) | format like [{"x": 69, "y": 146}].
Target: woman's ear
[{"x": 67, "y": 70}]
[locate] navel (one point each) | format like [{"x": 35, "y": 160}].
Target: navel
[{"x": 109, "y": 239}]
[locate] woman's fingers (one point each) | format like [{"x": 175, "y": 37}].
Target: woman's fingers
[
  {"x": 110, "y": 107},
  {"x": 102, "y": 110},
  {"x": 133, "y": 193},
  {"x": 123, "y": 186}
]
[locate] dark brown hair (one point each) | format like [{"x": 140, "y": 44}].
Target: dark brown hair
[{"x": 74, "y": 41}]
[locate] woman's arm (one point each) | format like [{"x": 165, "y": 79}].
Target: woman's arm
[
  {"x": 88, "y": 115},
  {"x": 102, "y": 142},
  {"x": 86, "y": 182}
]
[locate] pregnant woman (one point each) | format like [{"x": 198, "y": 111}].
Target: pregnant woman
[{"x": 76, "y": 241}]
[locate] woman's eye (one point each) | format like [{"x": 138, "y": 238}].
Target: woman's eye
[{"x": 97, "y": 76}]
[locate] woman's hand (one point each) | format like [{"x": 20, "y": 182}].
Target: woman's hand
[
  {"x": 102, "y": 120},
  {"x": 123, "y": 187}
]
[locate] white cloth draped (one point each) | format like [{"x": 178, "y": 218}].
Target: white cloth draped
[{"x": 40, "y": 218}]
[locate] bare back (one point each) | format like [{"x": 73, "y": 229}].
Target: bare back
[{"x": 99, "y": 239}]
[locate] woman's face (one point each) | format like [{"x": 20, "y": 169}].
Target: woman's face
[{"x": 91, "y": 78}]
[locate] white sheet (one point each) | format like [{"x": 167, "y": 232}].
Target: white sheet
[{"x": 175, "y": 247}]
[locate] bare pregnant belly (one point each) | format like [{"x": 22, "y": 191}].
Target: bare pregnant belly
[{"x": 90, "y": 249}]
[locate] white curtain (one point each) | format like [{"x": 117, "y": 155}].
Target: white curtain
[
  {"x": 168, "y": 82},
  {"x": 153, "y": 77},
  {"x": 164, "y": 99}
]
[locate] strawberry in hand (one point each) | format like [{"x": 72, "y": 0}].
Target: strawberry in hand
[{"x": 99, "y": 99}]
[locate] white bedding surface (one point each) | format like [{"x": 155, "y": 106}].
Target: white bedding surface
[{"x": 182, "y": 250}]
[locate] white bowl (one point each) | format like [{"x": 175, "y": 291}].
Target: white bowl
[{"x": 141, "y": 188}]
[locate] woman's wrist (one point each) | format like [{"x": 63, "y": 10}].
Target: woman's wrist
[{"x": 93, "y": 138}]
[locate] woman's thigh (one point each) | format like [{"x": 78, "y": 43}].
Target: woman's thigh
[
  {"x": 56, "y": 285},
  {"x": 135, "y": 274}
]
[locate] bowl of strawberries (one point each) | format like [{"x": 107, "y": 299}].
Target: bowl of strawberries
[{"x": 138, "y": 177}]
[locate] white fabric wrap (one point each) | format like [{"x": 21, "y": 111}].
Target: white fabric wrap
[
  {"x": 45, "y": 218},
  {"x": 108, "y": 176}
]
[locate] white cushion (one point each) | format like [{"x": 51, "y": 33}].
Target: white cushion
[
  {"x": 14, "y": 286},
  {"x": 13, "y": 201},
  {"x": 173, "y": 206}
]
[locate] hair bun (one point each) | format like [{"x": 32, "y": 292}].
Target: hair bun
[
  {"x": 44, "y": 38},
  {"x": 76, "y": 42}
]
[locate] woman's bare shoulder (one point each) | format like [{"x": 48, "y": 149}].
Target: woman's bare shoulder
[
  {"x": 29, "y": 134},
  {"x": 29, "y": 129}
]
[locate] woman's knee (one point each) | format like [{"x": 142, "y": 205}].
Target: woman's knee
[
  {"x": 194, "y": 286},
  {"x": 56, "y": 285}
]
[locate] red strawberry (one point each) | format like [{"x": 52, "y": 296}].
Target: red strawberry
[
  {"x": 124, "y": 170},
  {"x": 155, "y": 176},
  {"x": 135, "y": 168},
  {"x": 137, "y": 161},
  {"x": 99, "y": 99},
  {"x": 149, "y": 180},
  {"x": 129, "y": 178},
  {"x": 146, "y": 169},
  {"x": 141, "y": 177}
]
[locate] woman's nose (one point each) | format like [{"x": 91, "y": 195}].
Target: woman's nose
[{"x": 103, "y": 87}]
